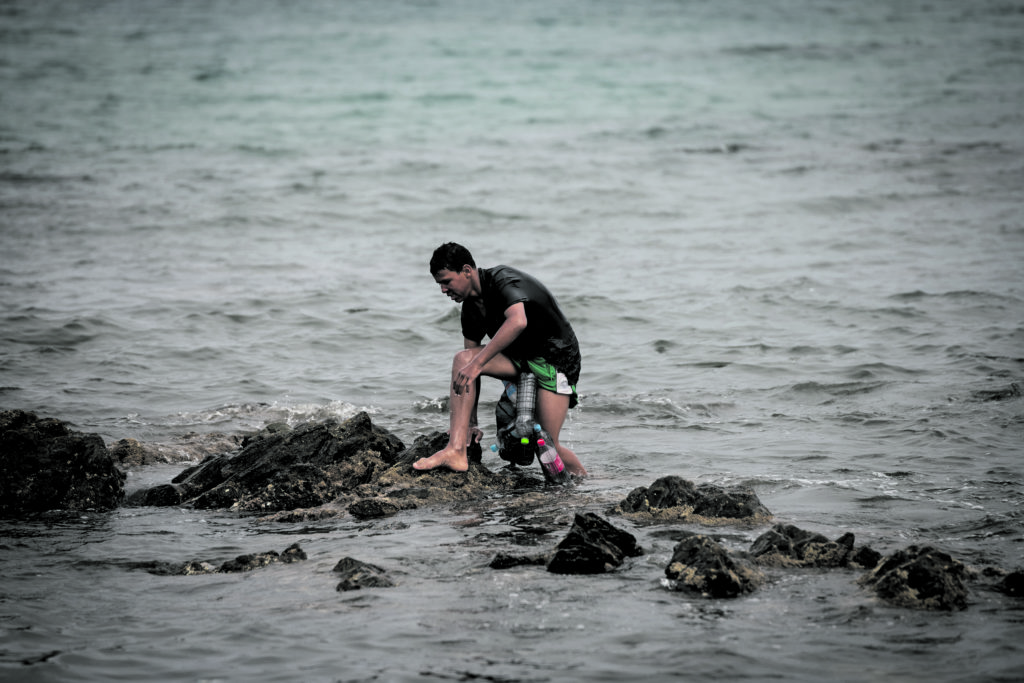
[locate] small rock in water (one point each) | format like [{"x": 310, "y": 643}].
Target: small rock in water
[
  {"x": 701, "y": 565},
  {"x": 242, "y": 563},
  {"x": 672, "y": 499},
  {"x": 593, "y": 546},
  {"x": 920, "y": 578},
  {"x": 507, "y": 561},
  {"x": 356, "y": 575},
  {"x": 245, "y": 563},
  {"x": 784, "y": 545},
  {"x": 1012, "y": 584}
]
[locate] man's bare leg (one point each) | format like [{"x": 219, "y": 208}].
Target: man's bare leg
[
  {"x": 551, "y": 411},
  {"x": 461, "y": 406}
]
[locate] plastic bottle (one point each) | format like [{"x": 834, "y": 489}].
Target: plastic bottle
[
  {"x": 526, "y": 401},
  {"x": 550, "y": 462}
]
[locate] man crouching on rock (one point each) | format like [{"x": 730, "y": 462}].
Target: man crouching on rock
[{"x": 528, "y": 332}]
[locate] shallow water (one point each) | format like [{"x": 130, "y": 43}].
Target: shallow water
[{"x": 788, "y": 234}]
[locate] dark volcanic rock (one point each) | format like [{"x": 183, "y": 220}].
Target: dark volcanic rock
[
  {"x": 44, "y": 466},
  {"x": 426, "y": 446},
  {"x": 356, "y": 575},
  {"x": 673, "y": 499},
  {"x": 162, "y": 495},
  {"x": 507, "y": 561},
  {"x": 242, "y": 563},
  {"x": 320, "y": 471},
  {"x": 246, "y": 563},
  {"x": 787, "y": 546},
  {"x": 400, "y": 487},
  {"x": 593, "y": 546},
  {"x": 1012, "y": 584},
  {"x": 308, "y": 466},
  {"x": 372, "y": 508},
  {"x": 865, "y": 557},
  {"x": 921, "y": 578},
  {"x": 701, "y": 565}
]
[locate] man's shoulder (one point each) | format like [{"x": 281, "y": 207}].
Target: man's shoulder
[
  {"x": 499, "y": 276},
  {"x": 499, "y": 270}
]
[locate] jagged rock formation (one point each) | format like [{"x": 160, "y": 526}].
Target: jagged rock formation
[
  {"x": 45, "y": 466},
  {"x": 784, "y": 545},
  {"x": 701, "y": 565},
  {"x": 920, "y": 577},
  {"x": 356, "y": 575}
]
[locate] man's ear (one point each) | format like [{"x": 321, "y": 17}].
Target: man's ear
[{"x": 467, "y": 270}]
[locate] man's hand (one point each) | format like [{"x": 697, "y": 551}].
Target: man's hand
[{"x": 466, "y": 376}]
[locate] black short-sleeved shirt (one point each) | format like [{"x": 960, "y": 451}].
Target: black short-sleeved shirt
[{"x": 548, "y": 333}]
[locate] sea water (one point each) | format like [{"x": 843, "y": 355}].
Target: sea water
[{"x": 788, "y": 233}]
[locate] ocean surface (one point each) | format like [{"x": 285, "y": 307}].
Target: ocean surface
[{"x": 789, "y": 234}]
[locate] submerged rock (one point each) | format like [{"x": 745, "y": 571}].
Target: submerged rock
[
  {"x": 191, "y": 446},
  {"x": 357, "y": 575},
  {"x": 1012, "y": 584},
  {"x": 920, "y": 578},
  {"x": 242, "y": 563},
  {"x": 45, "y": 465},
  {"x": 674, "y": 499},
  {"x": 787, "y": 546},
  {"x": 246, "y": 563},
  {"x": 701, "y": 565},
  {"x": 507, "y": 560},
  {"x": 593, "y": 546}
]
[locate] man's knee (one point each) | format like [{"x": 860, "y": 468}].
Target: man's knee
[{"x": 464, "y": 356}]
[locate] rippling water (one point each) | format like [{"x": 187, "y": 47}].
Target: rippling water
[{"x": 789, "y": 235}]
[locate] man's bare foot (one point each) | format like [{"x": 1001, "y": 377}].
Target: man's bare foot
[
  {"x": 452, "y": 458},
  {"x": 576, "y": 471}
]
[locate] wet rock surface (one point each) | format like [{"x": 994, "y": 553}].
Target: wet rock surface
[
  {"x": 920, "y": 577},
  {"x": 674, "y": 499},
  {"x": 354, "y": 468},
  {"x": 308, "y": 466},
  {"x": 592, "y": 546},
  {"x": 787, "y": 546},
  {"x": 45, "y": 466},
  {"x": 189, "y": 447},
  {"x": 242, "y": 563},
  {"x": 1012, "y": 584},
  {"x": 701, "y": 565},
  {"x": 356, "y": 575},
  {"x": 329, "y": 469},
  {"x": 505, "y": 560}
]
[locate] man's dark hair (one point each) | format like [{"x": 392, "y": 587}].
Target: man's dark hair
[{"x": 450, "y": 256}]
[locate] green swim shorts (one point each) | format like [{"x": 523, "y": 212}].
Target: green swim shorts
[{"x": 548, "y": 377}]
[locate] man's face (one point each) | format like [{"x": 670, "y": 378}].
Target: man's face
[{"x": 454, "y": 285}]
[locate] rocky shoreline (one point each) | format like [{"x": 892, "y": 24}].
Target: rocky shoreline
[{"x": 355, "y": 468}]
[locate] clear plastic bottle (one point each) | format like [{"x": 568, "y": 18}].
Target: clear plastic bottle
[
  {"x": 550, "y": 462},
  {"x": 526, "y": 402}
]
